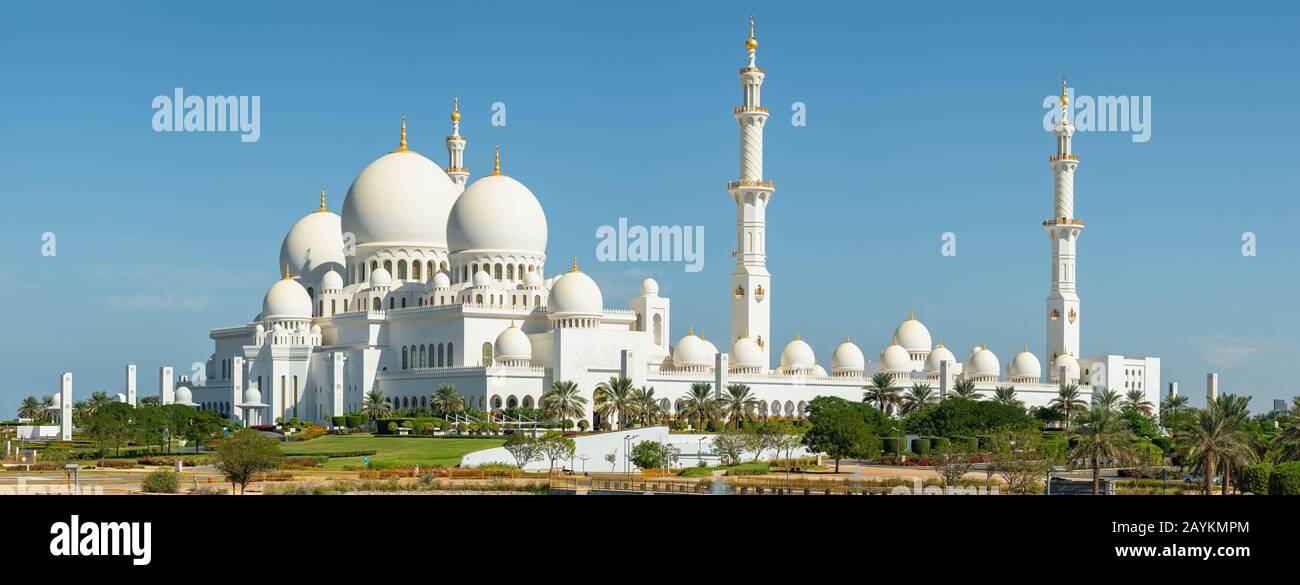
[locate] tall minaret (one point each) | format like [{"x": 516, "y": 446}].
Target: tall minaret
[
  {"x": 1063, "y": 230},
  {"x": 751, "y": 295},
  {"x": 456, "y": 148}
]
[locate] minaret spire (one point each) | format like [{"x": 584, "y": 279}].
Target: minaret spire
[
  {"x": 401, "y": 146},
  {"x": 1063, "y": 231},
  {"x": 456, "y": 148},
  {"x": 322, "y": 199},
  {"x": 750, "y": 281},
  {"x": 496, "y": 163}
]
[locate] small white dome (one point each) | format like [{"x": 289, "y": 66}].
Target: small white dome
[
  {"x": 745, "y": 353},
  {"x": 286, "y": 300},
  {"x": 798, "y": 355},
  {"x": 513, "y": 345},
  {"x": 380, "y": 277},
  {"x": 819, "y": 371},
  {"x": 119, "y": 397},
  {"x": 691, "y": 352},
  {"x": 482, "y": 278},
  {"x": 1070, "y": 364},
  {"x": 499, "y": 214},
  {"x": 1025, "y": 365},
  {"x": 313, "y": 245},
  {"x": 709, "y": 347},
  {"x": 440, "y": 280},
  {"x": 402, "y": 197},
  {"x": 58, "y": 401},
  {"x": 937, "y": 356},
  {"x": 649, "y": 288},
  {"x": 912, "y": 335},
  {"x": 252, "y": 395},
  {"x": 895, "y": 359},
  {"x": 331, "y": 281},
  {"x": 183, "y": 395},
  {"x": 576, "y": 293},
  {"x": 983, "y": 363},
  {"x": 533, "y": 278},
  {"x": 848, "y": 357}
]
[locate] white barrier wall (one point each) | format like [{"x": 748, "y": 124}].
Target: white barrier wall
[{"x": 691, "y": 448}]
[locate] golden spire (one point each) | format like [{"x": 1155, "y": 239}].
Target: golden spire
[
  {"x": 401, "y": 147},
  {"x": 455, "y": 108},
  {"x": 496, "y": 170},
  {"x": 1026, "y": 347},
  {"x": 575, "y": 262},
  {"x": 796, "y": 335},
  {"x": 1065, "y": 99},
  {"x": 691, "y": 331},
  {"x": 751, "y": 43},
  {"x": 322, "y": 199},
  {"x": 847, "y": 340},
  {"x": 895, "y": 339},
  {"x": 702, "y": 334},
  {"x": 287, "y": 276},
  {"x": 512, "y": 323},
  {"x": 940, "y": 343},
  {"x": 911, "y": 315}
]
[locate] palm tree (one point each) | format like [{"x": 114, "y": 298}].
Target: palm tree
[
  {"x": 881, "y": 391},
  {"x": 739, "y": 404},
  {"x": 31, "y": 408},
  {"x": 563, "y": 401},
  {"x": 1216, "y": 437},
  {"x": 1136, "y": 399},
  {"x": 1233, "y": 408},
  {"x": 1067, "y": 401},
  {"x": 918, "y": 397},
  {"x": 648, "y": 408},
  {"x": 1289, "y": 437},
  {"x": 1101, "y": 433},
  {"x": 1106, "y": 398},
  {"x": 699, "y": 405},
  {"x": 1006, "y": 396},
  {"x": 376, "y": 405},
  {"x": 446, "y": 400},
  {"x": 613, "y": 400},
  {"x": 965, "y": 389},
  {"x": 1173, "y": 404}
]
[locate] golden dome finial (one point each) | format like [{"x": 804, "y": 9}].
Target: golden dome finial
[
  {"x": 401, "y": 147},
  {"x": 691, "y": 331},
  {"x": 1065, "y": 99},
  {"x": 287, "y": 276},
  {"x": 847, "y": 340},
  {"x": 796, "y": 335},
  {"x": 895, "y": 339},
  {"x": 911, "y": 315},
  {"x": 702, "y": 334},
  {"x": 496, "y": 170},
  {"x": 575, "y": 264},
  {"x": 940, "y": 343},
  {"x": 512, "y": 323},
  {"x": 455, "y": 108},
  {"x": 322, "y": 198},
  {"x": 1026, "y": 347},
  {"x": 751, "y": 43}
]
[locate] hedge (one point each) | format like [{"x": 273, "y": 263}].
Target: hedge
[
  {"x": 872, "y": 447},
  {"x": 920, "y": 445},
  {"x": 968, "y": 444},
  {"x": 354, "y": 421},
  {"x": 1285, "y": 479},
  {"x": 1253, "y": 478},
  {"x": 408, "y": 422},
  {"x": 333, "y": 454},
  {"x": 940, "y": 443},
  {"x": 893, "y": 445}
]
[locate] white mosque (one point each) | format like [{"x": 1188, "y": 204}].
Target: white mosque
[{"x": 428, "y": 278}]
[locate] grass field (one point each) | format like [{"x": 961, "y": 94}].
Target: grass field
[{"x": 425, "y": 452}]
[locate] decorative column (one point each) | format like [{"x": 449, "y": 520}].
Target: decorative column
[{"x": 1063, "y": 230}]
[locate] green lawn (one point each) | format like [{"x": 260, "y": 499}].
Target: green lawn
[{"x": 425, "y": 452}]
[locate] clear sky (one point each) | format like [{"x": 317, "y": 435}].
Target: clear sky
[{"x": 921, "y": 119}]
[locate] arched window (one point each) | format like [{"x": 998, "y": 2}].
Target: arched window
[
  {"x": 496, "y": 272},
  {"x": 401, "y": 269},
  {"x": 537, "y": 300},
  {"x": 403, "y": 358},
  {"x": 388, "y": 265},
  {"x": 320, "y": 308},
  {"x": 374, "y": 265},
  {"x": 415, "y": 270},
  {"x": 431, "y": 270},
  {"x": 378, "y": 304},
  {"x": 496, "y": 403},
  {"x": 422, "y": 356},
  {"x": 487, "y": 353},
  {"x": 478, "y": 299},
  {"x": 423, "y": 404},
  {"x": 510, "y": 271},
  {"x": 440, "y": 355},
  {"x": 512, "y": 402},
  {"x": 403, "y": 302},
  {"x": 528, "y": 402},
  {"x": 390, "y": 302},
  {"x": 451, "y": 355}
]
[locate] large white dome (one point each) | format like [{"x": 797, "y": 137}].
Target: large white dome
[
  {"x": 1071, "y": 366},
  {"x": 690, "y": 352},
  {"x": 983, "y": 363},
  {"x": 403, "y": 198},
  {"x": 745, "y": 353},
  {"x": 497, "y": 213},
  {"x": 913, "y": 335},
  {"x": 286, "y": 300},
  {"x": 798, "y": 355},
  {"x": 513, "y": 345},
  {"x": 937, "y": 356},
  {"x": 183, "y": 396},
  {"x": 895, "y": 359},
  {"x": 848, "y": 357},
  {"x": 331, "y": 281},
  {"x": 576, "y": 293},
  {"x": 313, "y": 246},
  {"x": 1025, "y": 365}
]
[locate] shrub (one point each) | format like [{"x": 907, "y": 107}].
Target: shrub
[
  {"x": 714, "y": 426},
  {"x": 339, "y": 421},
  {"x": 893, "y": 445},
  {"x": 354, "y": 421},
  {"x": 116, "y": 463},
  {"x": 444, "y": 426},
  {"x": 967, "y": 444},
  {"x": 940, "y": 443},
  {"x": 583, "y": 425},
  {"x": 391, "y": 427},
  {"x": 1253, "y": 478},
  {"x": 161, "y": 482},
  {"x": 1285, "y": 479},
  {"x": 921, "y": 445}
]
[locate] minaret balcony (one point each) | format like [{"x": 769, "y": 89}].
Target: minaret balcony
[
  {"x": 457, "y": 170},
  {"x": 1056, "y": 157},
  {"x": 750, "y": 183},
  {"x": 744, "y": 70},
  {"x": 741, "y": 109},
  {"x": 1063, "y": 221}
]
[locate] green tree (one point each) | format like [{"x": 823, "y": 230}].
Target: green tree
[
  {"x": 646, "y": 405},
  {"x": 838, "y": 431},
  {"x": 881, "y": 391},
  {"x": 201, "y": 427},
  {"x": 1067, "y": 401},
  {"x": 1288, "y": 438},
  {"x": 1106, "y": 398},
  {"x": 650, "y": 455},
  {"x": 614, "y": 399},
  {"x": 556, "y": 447},
  {"x": 918, "y": 397},
  {"x": 1135, "y": 399},
  {"x": 1006, "y": 396},
  {"x": 739, "y": 404},
  {"x": 563, "y": 401},
  {"x": 731, "y": 444},
  {"x": 446, "y": 400},
  {"x": 376, "y": 405},
  {"x": 1218, "y": 440},
  {"x": 965, "y": 390},
  {"x": 31, "y": 408},
  {"x": 523, "y": 448},
  {"x": 699, "y": 405},
  {"x": 1101, "y": 433},
  {"x": 245, "y": 455}
]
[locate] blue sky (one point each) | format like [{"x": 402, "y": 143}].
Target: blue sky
[{"x": 921, "y": 120}]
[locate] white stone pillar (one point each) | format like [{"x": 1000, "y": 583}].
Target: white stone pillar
[
  {"x": 166, "y": 395},
  {"x": 65, "y": 407},
  {"x": 1212, "y": 386},
  {"x": 1173, "y": 389},
  {"x": 236, "y": 386},
  {"x": 336, "y": 384},
  {"x": 944, "y": 380},
  {"x": 130, "y": 384},
  {"x": 721, "y": 373}
]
